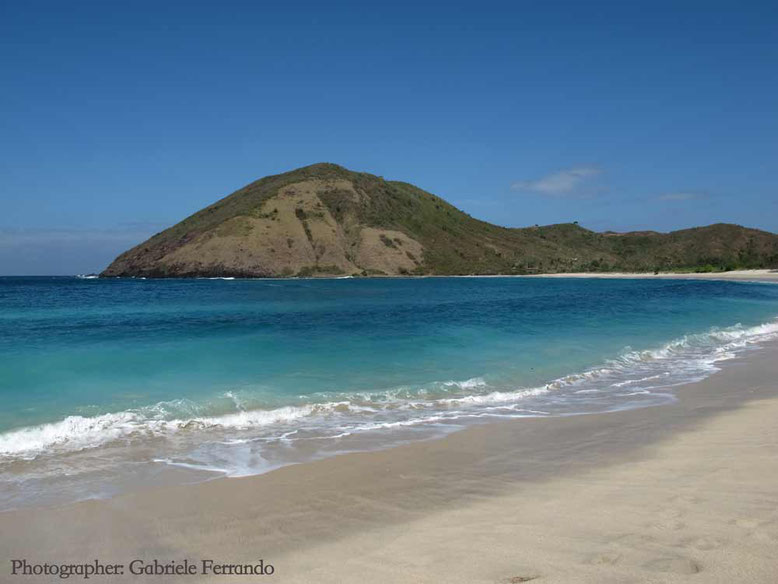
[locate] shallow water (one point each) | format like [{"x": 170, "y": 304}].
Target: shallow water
[{"x": 103, "y": 380}]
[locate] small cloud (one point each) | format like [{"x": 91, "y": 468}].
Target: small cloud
[
  {"x": 681, "y": 196},
  {"x": 562, "y": 183}
]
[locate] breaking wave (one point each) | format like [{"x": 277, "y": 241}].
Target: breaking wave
[{"x": 632, "y": 379}]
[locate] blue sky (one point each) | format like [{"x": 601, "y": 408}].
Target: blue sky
[{"x": 118, "y": 119}]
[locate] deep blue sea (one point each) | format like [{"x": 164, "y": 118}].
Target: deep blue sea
[{"x": 113, "y": 384}]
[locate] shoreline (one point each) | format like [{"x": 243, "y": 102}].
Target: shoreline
[
  {"x": 734, "y": 275},
  {"x": 757, "y": 275},
  {"x": 306, "y": 519},
  {"x": 137, "y": 466}
]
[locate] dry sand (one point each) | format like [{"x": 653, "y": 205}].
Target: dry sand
[
  {"x": 680, "y": 493},
  {"x": 742, "y": 275}
]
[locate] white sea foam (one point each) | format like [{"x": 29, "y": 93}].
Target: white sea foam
[
  {"x": 77, "y": 431},
  {"x": 466, "y": 384},
  {"x": 634, "y": 381},
  {"x": 631, "y": 375}
]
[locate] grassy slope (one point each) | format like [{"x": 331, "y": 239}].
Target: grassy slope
[{"x": 456, "y": 243}]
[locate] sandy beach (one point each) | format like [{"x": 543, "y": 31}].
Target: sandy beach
[
  {"x": 684, "y": 492},
  {"x": 737, "y": 275},
  {"x": 388, "y": 293}
]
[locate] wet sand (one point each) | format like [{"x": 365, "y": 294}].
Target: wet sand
[{"x": 677, "y": 493}]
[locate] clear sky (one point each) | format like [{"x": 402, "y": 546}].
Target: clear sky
[{"x": 118, "y": 119}]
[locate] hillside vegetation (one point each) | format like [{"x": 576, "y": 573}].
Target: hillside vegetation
[{"x": 326, "y": 220}]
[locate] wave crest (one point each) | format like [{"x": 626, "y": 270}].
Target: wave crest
[{"x": 633, "y": 373}]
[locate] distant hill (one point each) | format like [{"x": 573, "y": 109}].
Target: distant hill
[{"x": 326, "y": 220}]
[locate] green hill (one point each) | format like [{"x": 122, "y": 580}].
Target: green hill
[{"x": 326, "y": 220}]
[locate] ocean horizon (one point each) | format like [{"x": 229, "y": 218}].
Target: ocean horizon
[{"x": 113, "y": 384}]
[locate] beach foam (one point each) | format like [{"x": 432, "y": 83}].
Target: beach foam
[{"x": 647, "y": 374}]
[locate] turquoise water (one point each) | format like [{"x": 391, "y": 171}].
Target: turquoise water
[{"x": 241, "y": 376}]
